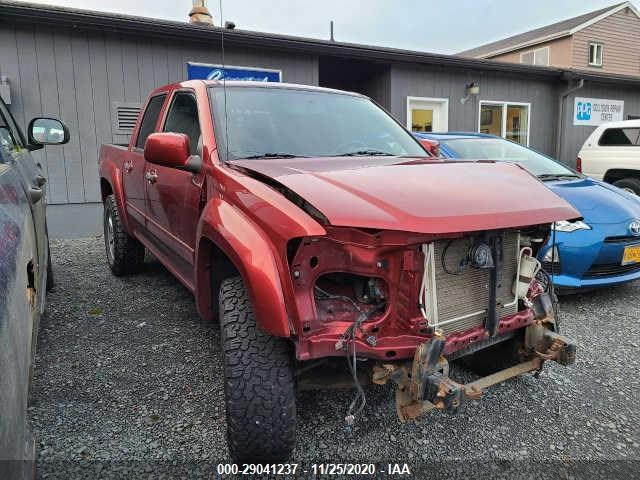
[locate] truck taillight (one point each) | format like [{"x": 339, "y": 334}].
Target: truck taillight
[{"x": 579, "y": 164}]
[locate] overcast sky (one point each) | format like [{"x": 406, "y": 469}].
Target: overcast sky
[{"x": 442, "y": 27}]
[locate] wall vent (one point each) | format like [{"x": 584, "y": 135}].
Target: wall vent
[{"x": 125, "y": 117}]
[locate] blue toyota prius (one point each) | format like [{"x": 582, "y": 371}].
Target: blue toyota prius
[{"x": 603, "y": 248}]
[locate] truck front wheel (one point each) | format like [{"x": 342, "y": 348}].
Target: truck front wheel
[
  {"x": 259, "y": 386},
  {"x": 124, "y": 253}
]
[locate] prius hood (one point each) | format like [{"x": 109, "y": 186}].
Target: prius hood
[
  {"x": 425, "y": 196},
  {"x": 598, "y": 202}
]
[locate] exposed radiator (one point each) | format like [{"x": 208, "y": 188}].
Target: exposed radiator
[{"x": 461, "y": 300}]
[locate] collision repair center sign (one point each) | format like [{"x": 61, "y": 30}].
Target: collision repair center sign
[
  {"x": 203, "y": 71},
  {"x": 596, "y": 111}
]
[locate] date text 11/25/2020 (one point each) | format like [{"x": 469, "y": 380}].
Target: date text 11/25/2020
[{"x": 360, "y": 469}]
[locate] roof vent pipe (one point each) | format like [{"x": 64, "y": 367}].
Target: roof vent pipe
[{"x": 199, "y": 14}]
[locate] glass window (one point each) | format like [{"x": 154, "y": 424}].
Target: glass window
[
  {"x": 620, "y": 137},
  {"x": 10, "y": 136},
  {"x": 491, "y": 119},
  {"x": 517, "y": 126},
  {"x": 503, "y": 150},
  {"x": 595, "y": 54},
  {"x": 302, "y": 122},
  {"x": 150, "y": 119},
  {"x": 527, "y": 58},
  {"x": 183, "y": 118},
  {"x": 505, "y": 120},
  {"x": 536, "y": 57},
  {"x": 6, "y": 137},
  {"x": 542, "y": 57},
  {"x": 421, "y": 120}
]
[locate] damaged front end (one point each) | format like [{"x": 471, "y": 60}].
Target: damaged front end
[
  {"x": 424, "y": 384},
  {"x": 404, "y": 304}
]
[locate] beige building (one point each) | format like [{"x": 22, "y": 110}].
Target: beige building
[{"x": 606, "y": 40}]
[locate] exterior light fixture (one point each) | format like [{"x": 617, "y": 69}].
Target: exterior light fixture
[{"x": 472, "y": 89}]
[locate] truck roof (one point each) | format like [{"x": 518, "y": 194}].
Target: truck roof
[{"x": 242, "y": 83}]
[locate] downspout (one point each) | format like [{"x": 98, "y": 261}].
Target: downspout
[{"x": 563, "y": 97}]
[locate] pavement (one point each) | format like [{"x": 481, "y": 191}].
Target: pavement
[{"x": 129, "y": 384}]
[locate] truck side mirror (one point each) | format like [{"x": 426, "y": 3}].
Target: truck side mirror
[
  {"x": 47, "y": 131},
  {"x": 171, "y": 150}
]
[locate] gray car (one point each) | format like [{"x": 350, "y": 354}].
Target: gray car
[{"x": 25, "y": 274}]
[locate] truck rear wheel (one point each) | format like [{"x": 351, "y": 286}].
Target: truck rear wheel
[
  {"x": 259, "y": 386},
  {"x": 124, "y": 253},
  {"x": 631, "y": 185}
]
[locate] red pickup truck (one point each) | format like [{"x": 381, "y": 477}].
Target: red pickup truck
[{"x": 316, "y": 229}]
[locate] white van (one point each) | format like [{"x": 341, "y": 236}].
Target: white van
[{"x": 612, "y": 153}]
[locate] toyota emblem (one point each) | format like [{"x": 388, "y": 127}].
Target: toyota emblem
[{"x": 634, "y": 227}]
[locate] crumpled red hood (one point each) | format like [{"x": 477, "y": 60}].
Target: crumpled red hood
[{"x": 426, "y": 197}]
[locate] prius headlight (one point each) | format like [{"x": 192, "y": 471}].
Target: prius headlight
[
  {"x": 552, "y": 255},
  {"x": 568, "y": 227}
]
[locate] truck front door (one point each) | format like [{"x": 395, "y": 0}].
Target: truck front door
[
  {"x": 173, "y": 196},
  {"x": 33, "y": 182}
]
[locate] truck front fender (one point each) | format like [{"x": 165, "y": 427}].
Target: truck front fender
[{"x": 249, "y": 249}]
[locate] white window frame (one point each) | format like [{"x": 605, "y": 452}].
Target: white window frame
[
  {"x": 535, "y": 52},
  {"x": 596, "y": 45},
  {"x": 443, "y": 101},
  {"x": 504, "y": 105}
]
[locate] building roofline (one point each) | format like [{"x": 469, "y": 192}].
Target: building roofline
[
  {"x": 552, "y": 36},
  {"x": 117, "y": 23},
  {"x": 614, "y": 9},
  {"x": 519, "y": 46}
]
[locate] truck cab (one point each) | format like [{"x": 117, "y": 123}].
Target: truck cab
[{"x": 612, "y": 154}]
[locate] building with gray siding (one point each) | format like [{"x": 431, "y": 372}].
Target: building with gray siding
[{"x": 94, "y": 70}]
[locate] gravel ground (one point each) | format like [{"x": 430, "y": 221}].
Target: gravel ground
[{"x": 129, "y": 380}]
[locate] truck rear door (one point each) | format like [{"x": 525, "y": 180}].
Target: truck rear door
[{"x": 134, "y": 165}]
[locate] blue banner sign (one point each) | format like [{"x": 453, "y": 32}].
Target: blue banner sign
[{"x": 203, "y": 71}]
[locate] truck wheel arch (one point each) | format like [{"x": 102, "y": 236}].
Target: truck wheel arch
[
  {"x": 111, "y": 184},
  {"x": 614, "y": 174},
  {"x": 237, "y": 246}
]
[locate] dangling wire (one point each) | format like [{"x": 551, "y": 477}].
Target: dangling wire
[{"x": 348, "y": 339}]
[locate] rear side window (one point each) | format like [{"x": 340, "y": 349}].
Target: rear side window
[
  {"x": 149, "y": 119},
  {"x": 620, "y": 137}
]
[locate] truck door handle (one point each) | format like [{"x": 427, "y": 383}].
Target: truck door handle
[
  {"x": 40, "y": 180},
  {"x": 151, "y": 176},
  {"x": 128, "y": 166},
  {"x": 35, "y": 194}
]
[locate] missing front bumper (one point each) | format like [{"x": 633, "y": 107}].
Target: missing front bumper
[{"x": 424, "y": 384}]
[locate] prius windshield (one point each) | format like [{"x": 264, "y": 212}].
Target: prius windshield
[
  {"x": 264, "y": 122},
  {"x": 503, "y": 150}
]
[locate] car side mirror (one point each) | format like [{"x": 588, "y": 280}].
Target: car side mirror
[
  {"x": 171, "y": 150},
  {"x": 47, "y": 131}
]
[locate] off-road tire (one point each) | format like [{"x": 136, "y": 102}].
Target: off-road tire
[
  {"x": 630, "y": 183},
  {"x": 497, "y": 357},
  {"x": 258, "y": 382},
  {"x": 127, "y": 254}
]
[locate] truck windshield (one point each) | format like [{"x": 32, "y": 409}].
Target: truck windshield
[
  {"x": 261, "y": 122},
  {"x": 503, "y": 150}
]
